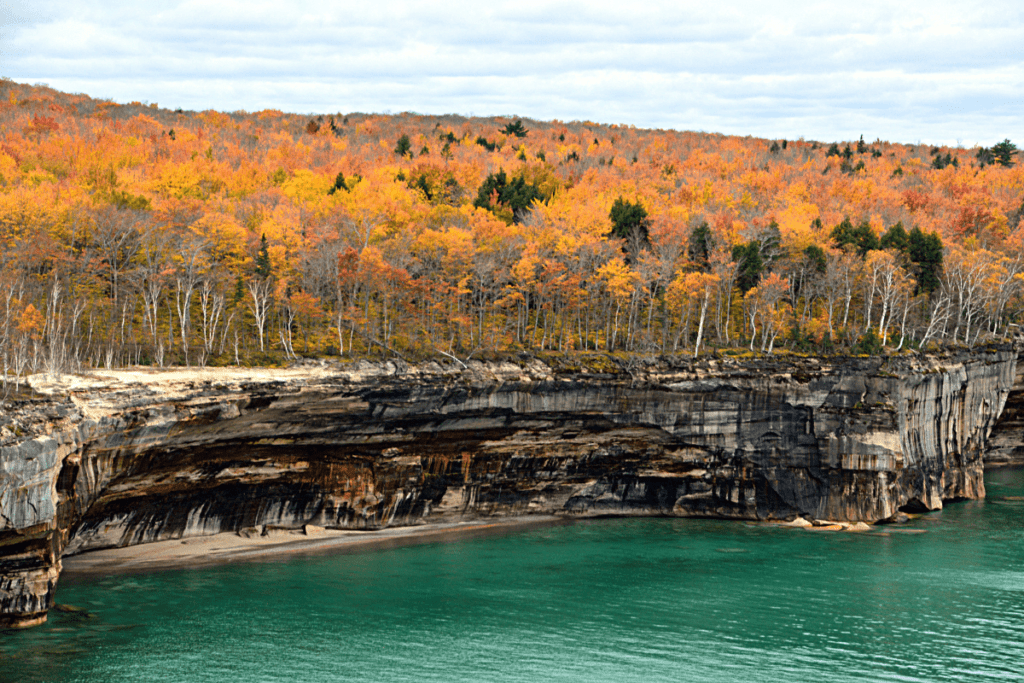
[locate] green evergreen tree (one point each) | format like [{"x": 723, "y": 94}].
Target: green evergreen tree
[
  {"x": 239, "y": 292},
  {"x": 895, "y": 237},
  {"x": 489, "y": 146},
  {"x": 699, "y": 248},
  {"x": 263, "y": 268},
  {"x": 985, "y": 157},
  {"x": 1004, "y": 152},
  {"x": 515, "y": 129},
  {"x": 404, "y": 146},
  {"x": 925, "y": 252},
  {"x": 770, "y": 245},
  {"x": 861, "y": 238},
  {"x": 339, "y": 184},
  {"x": 516, "y": 195},
  {"x": 816, "y": 259},
  {"x": 751, "y": 265},
  {"x": 629, "y": 220}
]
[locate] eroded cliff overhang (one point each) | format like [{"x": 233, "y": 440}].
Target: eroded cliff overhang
[{"x": 123, "y": 458}]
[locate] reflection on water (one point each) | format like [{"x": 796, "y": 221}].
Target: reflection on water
[{"x": 615, "y": 600}]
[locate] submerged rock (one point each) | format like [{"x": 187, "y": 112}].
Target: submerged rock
[
  {"x": 133, "y": 457},
  {"x": 897, "y": 517}
]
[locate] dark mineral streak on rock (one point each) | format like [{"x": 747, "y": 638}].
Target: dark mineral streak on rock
[{"x": 374, "y": 445}]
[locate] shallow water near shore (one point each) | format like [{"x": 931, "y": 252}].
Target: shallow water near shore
[{"x": 606, "y": 600}]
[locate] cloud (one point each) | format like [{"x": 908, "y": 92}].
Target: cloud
[{"x": 901, "y": 71}]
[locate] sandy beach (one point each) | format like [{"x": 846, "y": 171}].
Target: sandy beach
[{"x": 230, "y": 547}]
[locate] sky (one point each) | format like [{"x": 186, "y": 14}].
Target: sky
[{"x": 910, "y": 71}]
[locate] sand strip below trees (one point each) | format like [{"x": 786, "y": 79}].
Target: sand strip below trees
[{"x": 279, "y": 544}]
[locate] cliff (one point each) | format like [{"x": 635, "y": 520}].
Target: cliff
[
  {"x": 123, "y": 458},
  {"x": 1006, "y": 442}
]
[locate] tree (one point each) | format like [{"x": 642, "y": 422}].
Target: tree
[
  {"x": 837, "y": 285},
  {"x": 118, "y": 239},
  {"x": 509, "y": 200},
  {"x": 404, "y": 146},
  {"x": 339, "y": 184},
  {"x": 260, "y": 298},
  {"x": 630, "y": 222},
  {"x": 925, "y": 252},
  {"x": 702, "y": 285},
  {"x": 192, "y": 255},
  {"x": 891, "y": 282},
  {"x": 515, "y": 129},
  {"x": 1004, "y": 152},
  {"x": 763, "y": 308},
  {"x": 700, "y": 245},
  {"x": 211, "y": 306},
  {"x": 748, "y": 256},
  {"x": 862, "y": 238},
  {"x": 971, "y": 278},
  {"x": 895, "y": 237},
  {"x": 815, "y": 257},
  {"x": 263, "y": 267}
]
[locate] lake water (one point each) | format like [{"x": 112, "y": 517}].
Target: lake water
[{"x": 610, "y": 600}]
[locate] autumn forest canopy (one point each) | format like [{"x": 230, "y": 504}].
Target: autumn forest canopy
[{"x": 133, "y": 234}]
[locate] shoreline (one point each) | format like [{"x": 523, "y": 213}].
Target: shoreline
[{"x": 229, "y": 547}]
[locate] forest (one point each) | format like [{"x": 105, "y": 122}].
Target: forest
[{"x": 136, "y": 235}]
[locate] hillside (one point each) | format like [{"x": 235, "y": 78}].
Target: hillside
[{"x": 134, "y": 234}]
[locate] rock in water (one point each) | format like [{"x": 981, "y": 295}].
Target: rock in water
[{"x": 896, "y": 518}]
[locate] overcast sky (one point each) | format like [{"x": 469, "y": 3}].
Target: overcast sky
[{"x": 907, "y": 71}]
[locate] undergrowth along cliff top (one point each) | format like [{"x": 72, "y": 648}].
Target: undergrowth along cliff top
[{"x": 135, "y": 235}]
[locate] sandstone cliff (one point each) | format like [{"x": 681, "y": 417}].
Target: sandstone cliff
[{"x": 117, "y": 459}]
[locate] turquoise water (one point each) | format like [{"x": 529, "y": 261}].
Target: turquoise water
[{"x": 612, "y": 600}]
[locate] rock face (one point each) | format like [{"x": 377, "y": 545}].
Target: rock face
[
  {"x": 1006, "y": 443},
  {"x": 122, "y": 461}
]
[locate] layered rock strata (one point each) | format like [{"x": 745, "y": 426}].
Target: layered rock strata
[{"x": 114, "y": 460}]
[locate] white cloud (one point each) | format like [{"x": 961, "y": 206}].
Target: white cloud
[{"x": 938, "y": 72}]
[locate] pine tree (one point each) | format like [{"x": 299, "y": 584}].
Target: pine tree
[
  {"x": 748, "y": 256},
  {"x": 263, "y": 268},
  {"x": 515, "y": 129},
  {"x": 895, "y": 237},
  {"x": 404, "y": 146},
  {"x": 629, "y": 220},
  {"x": 925, "y": 251},
  {"x": 699, "y": 248},
  {"x": 1004, "y": 152},
  {"x": 862, "y": 238}
]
